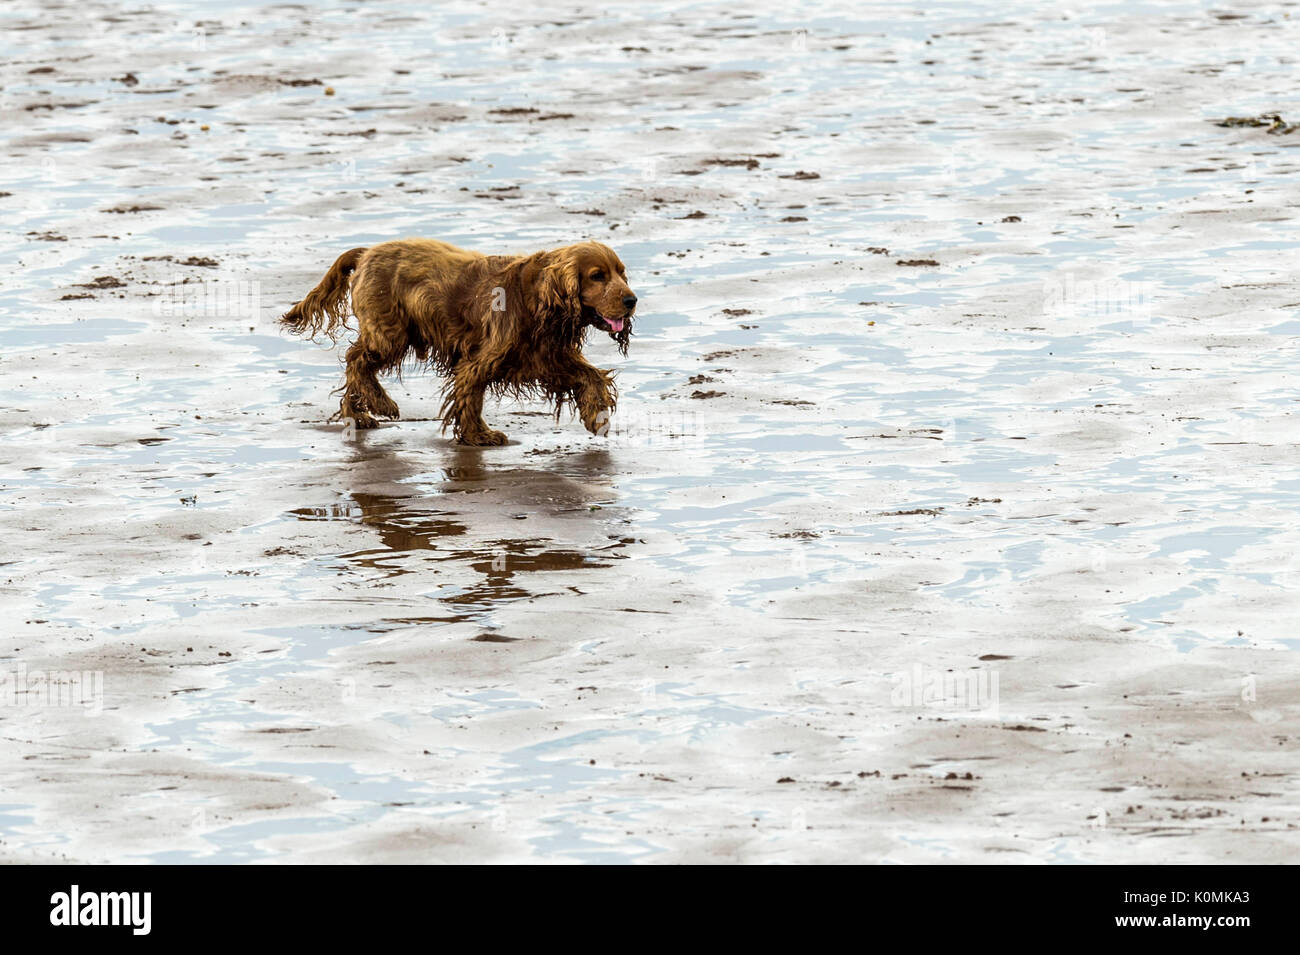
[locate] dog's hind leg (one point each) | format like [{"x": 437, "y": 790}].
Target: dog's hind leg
[
  {"x": 379, "y": 400},
  {"x": 462, "y": 407},
  {"x": 357, "y": 373},
  {"x": 381, "y": 345},
  {"x": 363, "y": 395}
]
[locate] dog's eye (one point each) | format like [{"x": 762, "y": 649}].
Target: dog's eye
[{"x": 597, "y": 276}]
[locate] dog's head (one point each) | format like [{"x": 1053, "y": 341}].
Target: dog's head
[{"x": 588, "y": 283}]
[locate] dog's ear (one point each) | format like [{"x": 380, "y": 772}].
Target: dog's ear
[{"x": 558, "y": 286}]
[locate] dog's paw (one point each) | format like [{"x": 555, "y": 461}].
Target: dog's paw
[
  {"x": 386, "y": 407},
  {"x": 484, "y": 439}
]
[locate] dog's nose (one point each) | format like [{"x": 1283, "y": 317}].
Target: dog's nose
[{"x": 629, "y": 301}]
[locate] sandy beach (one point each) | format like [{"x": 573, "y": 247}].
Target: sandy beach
[{"x": 949, "y": 513}]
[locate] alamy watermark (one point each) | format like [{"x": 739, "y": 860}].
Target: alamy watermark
[
  {"x": 1068, "y": 297},
  {"x": 20, "y": 686},
  {"x": 649, "y": 429},
  {"x": 210, "y": 298},
  {"x": 970, "y": 690}
]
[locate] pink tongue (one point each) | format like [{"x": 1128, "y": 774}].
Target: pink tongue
[{"x": 615, "y": 324}]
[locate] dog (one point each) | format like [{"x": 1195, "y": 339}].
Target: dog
[{"x": 499, "y": 324}]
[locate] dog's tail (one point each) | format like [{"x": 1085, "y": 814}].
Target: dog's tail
[{"x": 325, "y": 308}]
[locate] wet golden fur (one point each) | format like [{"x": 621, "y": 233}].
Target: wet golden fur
[{"x": 489, "y": 323}]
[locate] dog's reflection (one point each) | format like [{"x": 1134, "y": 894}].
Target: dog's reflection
[{"x": 457, "y": 520}]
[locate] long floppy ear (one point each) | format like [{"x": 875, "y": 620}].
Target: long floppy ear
[{"x": 558, "y": 286}]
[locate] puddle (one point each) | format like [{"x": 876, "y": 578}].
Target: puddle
[{"x": 45, "y": 335}]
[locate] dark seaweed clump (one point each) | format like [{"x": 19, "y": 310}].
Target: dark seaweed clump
[{"x": 1272, "y": 121}]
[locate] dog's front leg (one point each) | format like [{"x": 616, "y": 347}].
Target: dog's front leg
[{"x": 595, "y": 395}]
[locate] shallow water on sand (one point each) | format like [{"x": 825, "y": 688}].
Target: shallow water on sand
[{"x": 1063, "y": 454}]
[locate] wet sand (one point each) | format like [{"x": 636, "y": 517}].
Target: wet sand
[{"x": 989, "y": 560}]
